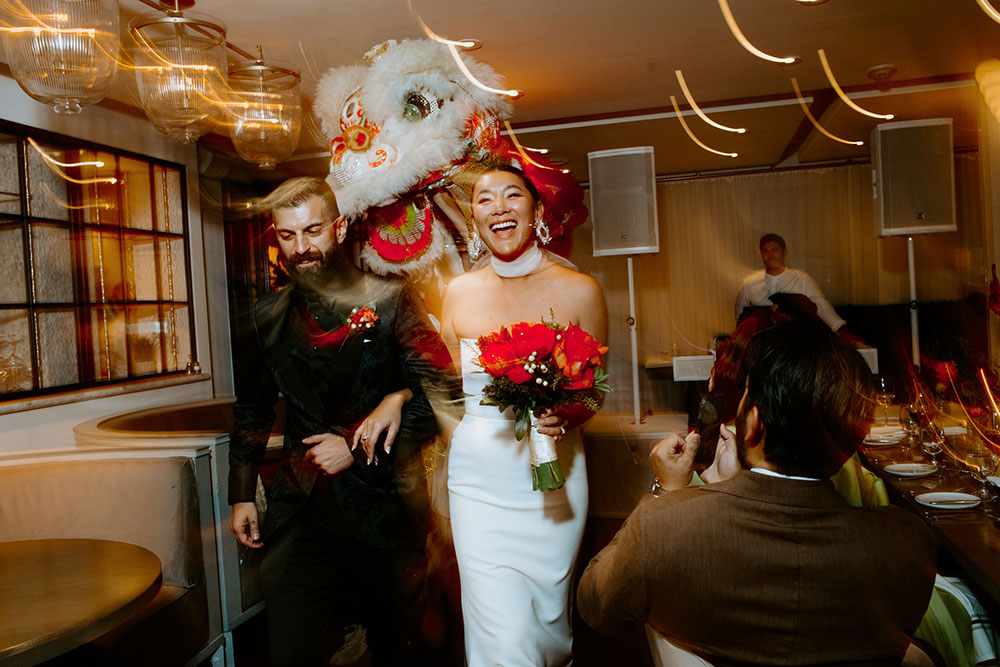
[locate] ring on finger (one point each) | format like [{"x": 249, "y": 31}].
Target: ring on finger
[
  {"x": 364, "y": 437},
  {"x": 562, "y": 430}
]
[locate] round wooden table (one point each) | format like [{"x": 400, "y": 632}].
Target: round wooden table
[{"x": 57, "y": 594}]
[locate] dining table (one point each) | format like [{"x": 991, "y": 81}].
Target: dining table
[
  {"x": 970, "y": 535},
  {"x": 57, "y": 594}
]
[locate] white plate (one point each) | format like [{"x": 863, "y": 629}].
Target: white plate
[
  {"x": 883, "y": 441},
  {"x": 947, "y": 500},
  {"x": 911, "y": 469}
]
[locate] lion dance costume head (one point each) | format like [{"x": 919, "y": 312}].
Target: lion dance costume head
[{"x": 409, "y": 134}]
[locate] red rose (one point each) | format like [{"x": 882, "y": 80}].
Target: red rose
[
  {"x": 505, "y": 353},
  {"x": 585, "y": 382},
  {"x": 532, "y": 338},
  {"x": 494, "y": 352},
  {"x": 577, "y": 352}
]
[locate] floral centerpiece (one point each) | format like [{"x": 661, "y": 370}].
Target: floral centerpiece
[{"x": 542, "y": 366}]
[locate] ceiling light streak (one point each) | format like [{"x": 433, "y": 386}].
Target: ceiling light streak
[
  {"x": 842, "y": 95},
  {"x": 468, "y": 44},
  {"x": 152, "y": 50},
  {"x": 51, "y": 163},
  {"x": 989, "y": 9},
  {"x": 823, "y": 130},
  {"x": 697, "y": 110},
  {"x": 94, "y": 163},
  {"x": 673, "y": 101},
  {"x": 103, "y": 206},
  {"x": 89, "y": 32},
  {"x": 520, "y": 148},
  {"x": 745, "y": 43},
  {"x": 513, "y": 94}
]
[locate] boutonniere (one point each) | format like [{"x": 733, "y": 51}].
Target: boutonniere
[{"x": 360, "y": 319}]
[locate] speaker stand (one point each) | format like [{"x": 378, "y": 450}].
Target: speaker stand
[
  {"x": 914, "y": 329},
  {"x": 634, "y": 337}
]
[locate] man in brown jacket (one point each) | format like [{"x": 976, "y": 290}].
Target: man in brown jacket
[{"x": 772, "y": 567}]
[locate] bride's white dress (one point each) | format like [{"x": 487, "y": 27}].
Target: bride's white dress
[{"x": 516, "y": 547}]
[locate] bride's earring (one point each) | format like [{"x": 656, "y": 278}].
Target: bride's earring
[
  {"x": 476, "y": 247},
  {"x": 542, "y": 231}
]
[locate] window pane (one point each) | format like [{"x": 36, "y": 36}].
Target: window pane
[
  {"x": 57, "y": 353},
  {"x": 10, "y": 182},
  {"x": 140, "y": 266},
  {"x": 144, "y": 329},
  {"x": 103, "y": 266},
  {"x": 48, "y": 191},
  {"x": 107, "y": 326},
  {"x": 15, "y": 351},
  {"x": 173, "y": 277},
  {"x": 98, "y": 201},
  {"x": 178, "y": 337},
  {"x": 169, "y": 204},
  {"x": 12, "y": 265},
  {"x": 52, "y": 263},
  {"x": 137, "y": 208}
]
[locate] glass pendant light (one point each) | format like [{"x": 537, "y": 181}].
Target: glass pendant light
[
  {"x": 266, "y": 109},
  {"x": 63, "y": 52},
  {"x": 181, "y": 71}
]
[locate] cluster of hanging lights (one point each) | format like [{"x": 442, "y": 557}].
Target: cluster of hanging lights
[{"x": 66, "y": 53}]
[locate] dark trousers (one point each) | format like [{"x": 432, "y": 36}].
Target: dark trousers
[{"x": 317, "y": 579}]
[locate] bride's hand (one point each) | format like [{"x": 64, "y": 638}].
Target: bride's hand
[
  {"x": 548, "y": 422},
  {"x": 386, "y": 417}
]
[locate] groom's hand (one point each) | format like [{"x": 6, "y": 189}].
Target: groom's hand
[{"x": 330, "y": 453}]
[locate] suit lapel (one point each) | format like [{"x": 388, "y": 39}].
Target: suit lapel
[{"x": 271, "y": 318}]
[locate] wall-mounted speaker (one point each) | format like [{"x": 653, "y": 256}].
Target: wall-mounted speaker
[
  {"x": 623, "y": 201},
  {"x": 913, "y": 177}
]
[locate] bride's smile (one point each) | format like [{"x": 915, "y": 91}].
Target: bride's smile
[{"x": 504, "y": 212}]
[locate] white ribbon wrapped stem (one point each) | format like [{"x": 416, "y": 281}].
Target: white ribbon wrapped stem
[{"x": 541, "y": 448}]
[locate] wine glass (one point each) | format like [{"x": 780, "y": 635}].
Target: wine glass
[
  {"x": 982, "y": 463},
  {"x": 885, "y": 394},
  {"x": 932, "y": 447},
  {"x": 910, "y": 427}
]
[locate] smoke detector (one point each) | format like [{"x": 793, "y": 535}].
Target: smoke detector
[{"x": 882, "y": 75}]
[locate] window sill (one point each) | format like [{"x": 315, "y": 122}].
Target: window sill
[{"x": 25, "y": 404}]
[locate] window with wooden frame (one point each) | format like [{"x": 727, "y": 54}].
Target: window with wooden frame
[{"x": 94, "y": 265}]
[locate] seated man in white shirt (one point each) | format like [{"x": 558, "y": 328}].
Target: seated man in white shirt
[{"x": 776, "y": 278}]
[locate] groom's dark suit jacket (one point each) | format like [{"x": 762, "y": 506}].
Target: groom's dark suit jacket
[{"x": 332, "y": 388}]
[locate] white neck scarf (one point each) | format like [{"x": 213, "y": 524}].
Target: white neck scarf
[{"x": 530, "y": 261}]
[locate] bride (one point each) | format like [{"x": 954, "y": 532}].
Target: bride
[{"x": 516, "y": 547}]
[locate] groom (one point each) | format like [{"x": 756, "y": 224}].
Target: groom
[{"x": 351, "y": 353}]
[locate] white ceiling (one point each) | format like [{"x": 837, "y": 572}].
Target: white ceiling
[{"x": 577, "y": 59}]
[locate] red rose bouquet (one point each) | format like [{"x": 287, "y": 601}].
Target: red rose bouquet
[{"x": 542, "y": 366}]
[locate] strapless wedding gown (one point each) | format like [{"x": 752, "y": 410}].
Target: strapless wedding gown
[{"x": 516, "y": 547}]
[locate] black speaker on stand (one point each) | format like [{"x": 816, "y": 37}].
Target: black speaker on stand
[{"x": 623, "y": 211}]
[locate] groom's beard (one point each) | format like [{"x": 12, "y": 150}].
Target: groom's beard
[{"x": 317, "y": 276}]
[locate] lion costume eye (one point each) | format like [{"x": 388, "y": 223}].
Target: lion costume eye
[{"x": 416, "y": 106}]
